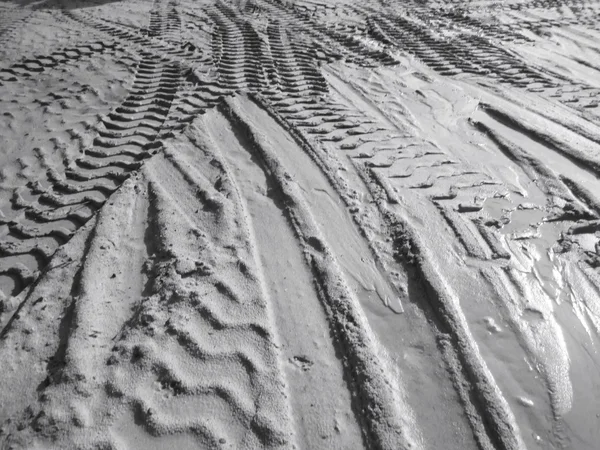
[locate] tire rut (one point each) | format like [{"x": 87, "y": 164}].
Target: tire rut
[
  {"x": 392, "y": 179},
  {"x": 30, "y": 67},
  {"x": 52, "y": 209}
]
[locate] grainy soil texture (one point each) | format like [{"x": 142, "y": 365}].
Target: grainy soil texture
[{"x": 300, "y": 224}]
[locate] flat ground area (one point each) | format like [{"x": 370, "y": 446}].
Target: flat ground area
[{"x": 300, "y": 224}]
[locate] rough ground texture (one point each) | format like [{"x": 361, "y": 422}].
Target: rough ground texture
[{"x": 300, "y": 224}]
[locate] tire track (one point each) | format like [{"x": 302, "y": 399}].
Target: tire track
[
  {"x": 470, "y": 372},
  {"x": 165, "y": 22},
  {"x": 11, "y": 20},
  {"x": 246, "y": 61},
  {"x": 452, "y": 186},
  {"x": 389, "y": 294},
  {"x": 556, "y": 179},
  {"x": 57, "y": 206},
  {"x": 140, "y": 41},
  {"x": 186, "y": 312},
  {"x": 230, "y": 341},
  {"x": 392, "y": 181},
  {"x": 497, "y": 233},
  {"x": 307, "y": 363},
  {"x": 239, "y": 52},
  {"x": 293, "y": 68},
  {"x": 30, "y": 67},
  {"x": 492, "y": 419},
  {"x": 329, "y": 44},
  {"x": 378, "y": 404},
  {"x": 478, "y": 56},
  {"x": 538, "y": 25}
]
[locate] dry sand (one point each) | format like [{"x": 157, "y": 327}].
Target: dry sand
[{"x": 311, "y": 224}]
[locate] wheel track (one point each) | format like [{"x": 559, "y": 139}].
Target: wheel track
[
  {"x": 447, "y": 183},
  {"x": 293, "y": 68},
  {"x": 498, "y": 256},
  {"x": 11, "y": 21},
  {"x": 246, "y": 358},
  {"x": 522, "y": 5},
  {"x": 329, "y": 44},
  {"x": 131, "y": 133},
  {"x": 472, "y": 49},
  {"x": 503, "y": 433},
  {"x": 478, "y": 56},
  {"x": 184, "y": 53},
  {"x": 127, "y": 136},
  {"x": 421, "y": 167},
  {"x": 579, "y": 220},
  {"x": 165, "y": 22},
  {"x": 73, "y": 194},
  {"x": 462, "y": 20},
  {"x": 30, "y": 67},
  {"x": 238, "y": 51},
  {"x": 248, "y": 62},
  {"x": 537, "y": 25},
  {"x": 452, "y": 194},
  {"x": 218, "y": 351},
  {"x": 386, "y": 428},
  {"x": 288, "y": 114}
]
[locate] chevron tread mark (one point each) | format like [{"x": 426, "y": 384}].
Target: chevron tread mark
[{"x": 63, "y": 202}]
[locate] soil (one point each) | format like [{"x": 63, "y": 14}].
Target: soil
[{"x": 307, "y": 224}]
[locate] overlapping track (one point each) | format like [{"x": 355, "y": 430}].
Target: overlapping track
[{"x": 386, "y": 174}]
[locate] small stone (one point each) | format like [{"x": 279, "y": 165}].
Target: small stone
[
  {"x": 525, "y": 401},
  {"x": 491, "y": 325}
]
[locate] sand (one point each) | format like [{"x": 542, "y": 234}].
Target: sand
[{"x": 303, "y": 224}]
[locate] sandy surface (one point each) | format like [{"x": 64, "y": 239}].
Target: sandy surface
[{"x": 311, "y": 224}]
